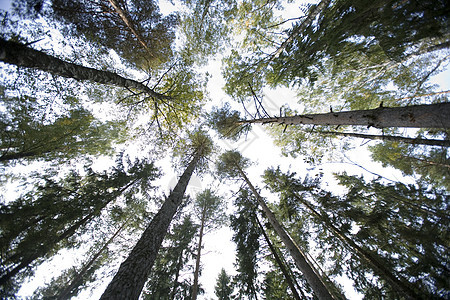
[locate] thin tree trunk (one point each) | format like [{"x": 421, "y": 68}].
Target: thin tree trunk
[
  {"x": 365, "y": 256},
  {"x": 279, "y": 262},
  {"x": 21, "y": 55},
  {"x": 133, "y": 272},
  {"x": 199, "y": 252},
  {"x": 416, "y": 116},
  {"x": 311, "y": 275},
  {"x": 124, "y": 16},
  {"x": 78, "y": 280},
  {"x": 44, "y": 249},
  {"x": 177, "y": 275},
  {"x": 414, "y": 141}
]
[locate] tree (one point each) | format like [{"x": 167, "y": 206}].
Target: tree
[
  {"x": 172, "y": 260},
  {"x": 35, "y": 225},
  {"x": 431, "y": 165},
  {"x": 133, "y": 272},
  {"x": 210, "y": 208},
  {"x": 23, "y": 56},
  {"x": 292, "y": 189},
  {"x": 246, "y": 237},
  {"x": 25, "y": 136},
  {"x": 223, "y": 288},
  {"x": 231, "y": 164}
]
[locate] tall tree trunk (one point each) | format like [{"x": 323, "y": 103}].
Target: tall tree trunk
[
  {"x": 20, "y": 55},
  {"x": 414, "y": 141},
  {"x": 365, "y": 256},
  {"x": 78, "y": 280},
  {"x": 44, "y": 249},
  {"x": 125, "y": 18},
  {"x": 311, "y": 275},
  {"x": 199, "y": 252},
  {"x": 279, "y": 262},
  {"x": 133, "y": 272},
  {"x": 416, "y": 116}
]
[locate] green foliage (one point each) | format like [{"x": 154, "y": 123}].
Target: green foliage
[
  {"x": 42, "y": 221},
  {"x": 198, "y": 145},
  {"x": 246, "y": 236},
  {"x": 225, "y": 122},
  {"x": 102, "y": 25},
  {"x": 430, "y": 164},
  {"x": 275, "y": 287},
  {"x": 211, "y": 208},
  {"x": 229, "y": 164},
  {"x": 26, "y": 135},
  {"x": 223, "y": 288},
  {"x": 165, "y": 281}
]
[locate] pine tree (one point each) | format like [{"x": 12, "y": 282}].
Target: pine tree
[{"x": 223, "y": 288}]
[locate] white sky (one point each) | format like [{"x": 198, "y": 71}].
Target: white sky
[{"x": 219, "y": 250}]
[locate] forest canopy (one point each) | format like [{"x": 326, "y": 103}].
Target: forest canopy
[{"x": 309, "y": 139}]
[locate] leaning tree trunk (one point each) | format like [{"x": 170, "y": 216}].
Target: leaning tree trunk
[
  {"x": 21, "y": 55},
  {"x": 365, "y": 256},
  {"x": 416, "y": 116},
  {"x": 414, "y": 141},
  {"x": 133, "y": 272},
  {"x": 199, "y": 252},
  {"x": 78, "y": 280},
  {"x": 278, "y": 260},
  {"x": 312, "y": 276},
  {"x": 43, "y": 250}
]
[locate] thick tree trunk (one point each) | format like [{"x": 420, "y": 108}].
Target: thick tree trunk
[
  {"x": 365, "y": 256},
  {"x": 414, "y": 141},
  {"x": 311, "y": 275},
  {"x": 279, "y": 262},
  {"x": 416, "y": 116},
  {"x": 133, "y": 272},
  {"x": 78, "y": 280},
  {"x": 23, "y": 56},
  {"x": 199, "y": 252}
]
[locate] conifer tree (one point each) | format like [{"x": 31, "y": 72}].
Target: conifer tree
[{"x": 133, "y": 272}]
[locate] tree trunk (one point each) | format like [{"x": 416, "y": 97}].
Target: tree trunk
[
  {"x": 78, "y": 280},
  {"x": 133, "y": 272},
  {"x": 365, "y": 256},
  {"x": 124, "y": 16},
  {"x": 199, "y": 250},
  {"x": 311, "y": 275},
  {"x": 414, "y": 141},
  {"x": 278, "y": 260},
  {"x": 416, "y": 116},
  {"x": 21, "y": 55}
]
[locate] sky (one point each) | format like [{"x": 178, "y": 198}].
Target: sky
[{"x": 219, "y": 249}]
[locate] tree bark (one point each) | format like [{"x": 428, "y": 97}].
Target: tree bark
[
  {"x": 279, "y": 262},
  {"x": 199, "y": 252},
  {"x": 133, "y": 272},
  {"x": 21, "y": 55},
  {"x": 311, "y": 275},
  {"x": 365, "y": 256},
  {"x": 414, "y": 141},
  {"x": 415, "y": 116}
]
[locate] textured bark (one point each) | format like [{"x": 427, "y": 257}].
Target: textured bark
[
  {"x": 20, "y": 55},
  {"x": 199, "y": 252},
  {"x": 416, "y": 116},
  {"x": 312, "y": 276},
  {"x": 279, "y": 262},
  {"x": 365, "y": 256},
  {"x": 78, "y": 280},
  {"x": 414, "y": 141},
  {"x": 133, "y": 272}
]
